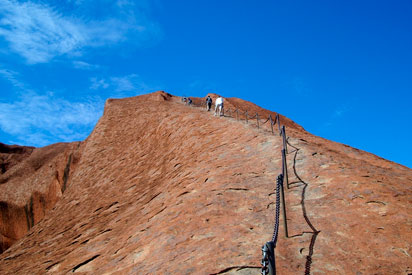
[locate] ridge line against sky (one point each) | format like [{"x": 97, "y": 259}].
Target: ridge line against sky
[{"x": 340, "y": 69}]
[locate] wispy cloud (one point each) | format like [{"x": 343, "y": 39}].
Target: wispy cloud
[
  {"x": 43, "y": 119},
  {"x": 12, "y": 77},
  {"x": 40, "y": 32},
  {"x": 84, "y": 65},
  {"x": 129, "y": 83},
  {"x": 98, "y": 84},
  {"x": 122, "y": 85},
  {"x": 34, "y": 119},
  {"x": 37, "y": 32}
]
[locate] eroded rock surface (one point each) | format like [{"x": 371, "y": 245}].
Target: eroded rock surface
[
  {"x": 11, "y": 155},
  {"x": 33, "y": 181},
  {"x": 162, "y": 188}
]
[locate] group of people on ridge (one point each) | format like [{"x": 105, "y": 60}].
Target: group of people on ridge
[
  {"x": 209, "y": 101},
  {"x": 218, "y": 105},
  {"x": 187, "y": 101}
]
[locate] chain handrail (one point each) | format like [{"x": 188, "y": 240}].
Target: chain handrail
[
  {"x": 268, "y": 249},
  {"x": 229, "y": 113},
  {"x": 266, "y": 120}
]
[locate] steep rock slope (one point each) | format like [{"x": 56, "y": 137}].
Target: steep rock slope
[{"x": 162, "y": 188}]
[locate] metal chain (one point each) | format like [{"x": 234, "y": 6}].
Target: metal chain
[
  {"x": 268, "y": 249},
  {"x": 230, "y": 112},
  {"x": 279, "y": 183},
  {"x": 266, "y": 120}
]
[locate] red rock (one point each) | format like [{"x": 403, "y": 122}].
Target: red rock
[
  {"x": 163, "y": 188},
  {"x": 30, "y": 188},
  {"x": 11, "y": 155}
]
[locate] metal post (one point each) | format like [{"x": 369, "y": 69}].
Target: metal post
[
  {"x": 285, "y": 221},
  {"x": 285, "y": 145},
  {"x": 237, "y": 114},
  {"x": 271, "y": 122},
  {"x": 285, "y": 168},
  {"x": 246, "y": 116},
  {"x": 257, "y": 119},
  {"x": 277, "y": 118}
]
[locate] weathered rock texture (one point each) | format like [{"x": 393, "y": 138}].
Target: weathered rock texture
[
  {"x": 11, "y": 155},
  {"x": 32, "y": 182},
  {"x": 162, "y": 188}
]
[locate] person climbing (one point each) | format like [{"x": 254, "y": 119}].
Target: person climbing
[
  {"x": 189, "y": 101},
  {"x": 209, "y": 102},
  {"x": 219, "y": 106}
]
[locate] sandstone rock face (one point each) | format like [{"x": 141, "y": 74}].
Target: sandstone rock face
[
  {"x": 33, "y": 181},
  {"x": 163, "y": 188},
  {"x": 11, "y": 155}
]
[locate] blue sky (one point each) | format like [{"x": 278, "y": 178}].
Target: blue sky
[{"x": 341, "y": 69}]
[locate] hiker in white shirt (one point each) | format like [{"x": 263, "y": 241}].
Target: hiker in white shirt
[{"x": 219, "y": 106}]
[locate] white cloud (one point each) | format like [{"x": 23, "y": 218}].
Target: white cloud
[
  {"x": 77, "y": 2},
  {"x": 129, "y": 83},
  {"x": 39, "y": 32},
  {"x": 84, "y": 65},
  {"x": 11, "y": 76},
  {"x": 126, "y": 85},
  {"x": 38, "y": 120},
  {"x": 43, "y": 119},
  {"x": 98, "y": 84}
]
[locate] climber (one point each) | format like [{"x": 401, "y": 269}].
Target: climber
[
  {"x": 189, "y": 101},
  {"x": 219, "y": 106},
  {"x": 209, "y": 102}
]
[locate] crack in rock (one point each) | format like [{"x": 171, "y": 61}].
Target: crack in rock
[{"x": 85, "y": 262}]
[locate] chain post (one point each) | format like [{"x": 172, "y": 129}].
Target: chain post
[
  {"x": 285, "y": 167},
  {"x": 278, "y": 120},
  {"x": 237, "y": 114},
  {"x": 282, "y": 192},
  {"x": 285, "y": 145},
  {"x": 257, "y": 120},
  {"x": 246, "y": 116},
  {"x": 271, "y": 122}
]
